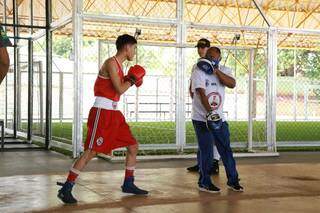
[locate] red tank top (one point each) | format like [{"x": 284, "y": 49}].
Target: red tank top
[{"x": 103, "y": 87}]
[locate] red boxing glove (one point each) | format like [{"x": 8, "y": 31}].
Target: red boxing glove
[
  {"x": 139, "y": 83},
  {"x": 127, "y": 78},
  {"x": 136, "y": 74}
]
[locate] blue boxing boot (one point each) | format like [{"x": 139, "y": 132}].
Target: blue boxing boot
[
  {"x": 129, "y": 187},
  {"x": 64, "y": 194}
]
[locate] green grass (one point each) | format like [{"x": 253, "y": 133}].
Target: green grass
[{"x": 164, "y": 132}]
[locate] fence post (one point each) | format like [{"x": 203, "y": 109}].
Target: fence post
[
  {"x": 180, "y": 79},
  {"x": 171, "y": 98},
  {"x": 250, "y": 100},
  {"x": 41, "y": 96},
  {"x": 157, "y": 99},
  {"x": 305, "y": 105},
  {"x": 77, "y": 78},
  {"x": 30, "y": 90},
  {"x": 271, "y": 89},
  {"x": 235, "y": 91},
  {"x": 295, "y": 85},
  {"x": 61, "y": 96}
]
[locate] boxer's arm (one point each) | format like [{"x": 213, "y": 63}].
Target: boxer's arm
[
  {"x": 203, "y": 98},
  {"x": 4, "y": 63},
  {"x": 111, "y": 68}
]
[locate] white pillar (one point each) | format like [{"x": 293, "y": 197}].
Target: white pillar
[
  {"x": 250, "y": 100},
  {"x": 171, "y": 98},
  {"x": 61, "y": 89},
  {"x": 271, "y": 89},
  {"x": 295, "y": 85},
  {"x": 180, "y": 79},
  {"x": 137, "y": 92},
  {"x": 77, "y": 78}
]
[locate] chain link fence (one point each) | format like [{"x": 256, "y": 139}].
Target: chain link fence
[
  {"x": 237, "y": 100},
  {"x": 150, "y": 110},
  {"x": 298, "y": 100}
]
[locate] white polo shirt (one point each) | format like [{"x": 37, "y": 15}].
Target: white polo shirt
[{"x": 214, "y": 90}]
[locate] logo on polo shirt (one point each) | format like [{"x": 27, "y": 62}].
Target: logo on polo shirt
[
  {"x": 207, "y": 83},
  {"x": 215, "y": 100}
]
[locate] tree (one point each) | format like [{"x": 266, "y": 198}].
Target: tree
[
  {"x": 62, "y": 46},
  {"x": 158, "y": 60},
  {"x": 309, "y": 62}
]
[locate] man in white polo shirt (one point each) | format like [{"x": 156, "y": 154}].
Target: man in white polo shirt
[
  {"x": 202, "y": 46},
  {"x": 209, "y": 80}
]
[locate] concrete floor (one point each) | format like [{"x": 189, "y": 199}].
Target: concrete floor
[{"x": 289, "y": 183}]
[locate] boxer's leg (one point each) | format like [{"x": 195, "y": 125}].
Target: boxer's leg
[
  {"x": 65, "y": 192},
  {"x": 125, "y": 137},
  {"x": 131, "y": 160}
]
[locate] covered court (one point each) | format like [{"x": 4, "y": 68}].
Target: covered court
[
  {"x": 272, "y": 47},
  {"x": 288, "y": 183}
]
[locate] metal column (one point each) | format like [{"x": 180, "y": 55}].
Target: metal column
[
  {"x": 31, "y": 16},
  {"x": 180, "y": 79},
  {"x": 295, "y": 102},
  {"x": 61, "y": 94},
  {"x": 171, "y": 98},
  {"x": 235, "y": 90},
  {"x": 40, "y": 67},
  {"x": 136, "y": 109},
  {"x": 30, "y": 77},
  {"x": 77, "y": 78},
  {"x": 250, "y": 100},
  {"x": 6, "y": 79},
  {"x": 48, "y": 75},
  {"x": 30, "y": 89},
  {"x": 15, "y": 101},
  {"x": 18, "y": 72},
  {"x": 2, "y": 134},
  {"x": 4, "y": 13},
  {"x": 271, "y": 89},
  {"x": 158, "y": 118},
  {"x": 100, "y": 59}
]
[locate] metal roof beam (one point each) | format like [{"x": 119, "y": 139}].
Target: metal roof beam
[
  {"x": 130, "y": 19},
  {"x": 262, "y": 13},
  {"x": 226, "y": 27},
  {"x": 298, "y": 31},
  {"x": 61, "y": 22}
]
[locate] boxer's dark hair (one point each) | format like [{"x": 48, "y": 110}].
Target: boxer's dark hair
[{"x": 124, "y": 40}]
